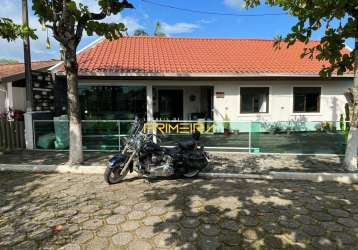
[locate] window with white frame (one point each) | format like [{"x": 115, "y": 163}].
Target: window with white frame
[
  {"x": 254, "y": 100},
  {"x": 306, "y": 99}
]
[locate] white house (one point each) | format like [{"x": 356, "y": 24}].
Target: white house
[{"x": 216, "y": 79}]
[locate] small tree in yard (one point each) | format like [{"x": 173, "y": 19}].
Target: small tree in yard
[
  {"x": 68, "y": 20},
  {"x": 339, "y": 18}
]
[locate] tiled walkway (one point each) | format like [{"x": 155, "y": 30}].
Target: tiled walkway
[{"x": 82, "y": 212}]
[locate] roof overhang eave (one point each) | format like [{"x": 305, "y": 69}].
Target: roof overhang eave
[{"x": 201, "y": 75}]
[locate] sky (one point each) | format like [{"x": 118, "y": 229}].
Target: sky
[{"x": 175, "y": 23}]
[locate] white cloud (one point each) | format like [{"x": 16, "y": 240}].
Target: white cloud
[
  {"x": 130, "y": 22},
  {"x": 14, "y": 50},
  {"x": 234, "y": 3},
  {"x": 178, "y": 28}
]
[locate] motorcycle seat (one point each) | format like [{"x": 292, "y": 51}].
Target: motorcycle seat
[
  {"x": 171, "y": 151},
  {"x": 186, "y": 145}
]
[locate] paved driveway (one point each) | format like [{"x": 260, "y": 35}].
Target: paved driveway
[{"x": 81, "y": 212}]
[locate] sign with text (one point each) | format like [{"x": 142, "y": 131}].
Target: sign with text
[{"x": 179, "y": 127}]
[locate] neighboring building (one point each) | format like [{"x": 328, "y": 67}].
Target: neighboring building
[
  {"x": 190, "y": 78},
  {"x": 13, "y": 85}
]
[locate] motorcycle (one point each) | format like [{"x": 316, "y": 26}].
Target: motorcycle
[{"x": 143, "y": 154}]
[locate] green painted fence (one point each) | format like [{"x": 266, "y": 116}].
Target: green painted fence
[{"x": 280, "y": 137}]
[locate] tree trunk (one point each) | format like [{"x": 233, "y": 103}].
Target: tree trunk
[
  {"x": 350, "y": 159},
  {"x": 71, "y": 67}
]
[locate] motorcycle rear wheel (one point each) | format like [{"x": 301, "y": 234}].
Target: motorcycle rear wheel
[
  {"x": 114, "y": 175},
  {"x": 191, "y": 174}
]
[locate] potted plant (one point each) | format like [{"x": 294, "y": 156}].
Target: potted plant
[{"x": 226, "y": 125}]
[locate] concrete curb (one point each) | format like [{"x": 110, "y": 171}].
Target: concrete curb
[
  {"x": 347, "y": 178},
  {"x": 95, "y": 169}
]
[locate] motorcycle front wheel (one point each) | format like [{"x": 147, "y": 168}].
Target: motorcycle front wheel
[{"x": 114, "y": 175}]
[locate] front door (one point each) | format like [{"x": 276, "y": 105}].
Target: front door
[{"x": 170, "y": 104}]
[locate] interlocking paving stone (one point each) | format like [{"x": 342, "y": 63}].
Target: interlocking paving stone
[
  {"x": 139, "y": 245},
  {"x": 143, "y": 206},
  {"x": 188, "y": 235},
  {"x": 338, "y": 213},
  {"x": 248, "y": 221},
  {"x": 348, "y": 222},
  {"x": 97, "y": 243},
  {"x": 250, "y": 234},
  {"x": 83, "y": 236},
  {"x": 190, "y": 222},
  {"x": 92, "y": 224},
  {"x": 313, "y": 230},
  {"x": 107, "y": 231},
  {"x": 146, "y": 232},
  {"x": 136, "y": 215},
  {"x": 209, "y": 230},
  {"x": 165, "y": 239},
  {"x": 230, "y": 225},
  {"x": 81, "y": 211},
  {"x": 130, "y": 225},
  {"x": 332, "y": 226},
  {"x": 122, "y": 239},
  {"x": 156, "y": 211},
  {"x": 26, "y": 245},
  {"x": 231, "y": 239},
  {"x": 122, "y": 210},
  {"x": 71, "y": 246},
  {"x": 152, "y": 220},
  {"x": 115, "y": 219}
]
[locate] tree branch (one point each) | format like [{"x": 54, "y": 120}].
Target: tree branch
[{"x": 97, "y": 16}]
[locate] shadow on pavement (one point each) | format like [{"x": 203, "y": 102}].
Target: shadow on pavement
[{"x": 50, "y": 211}]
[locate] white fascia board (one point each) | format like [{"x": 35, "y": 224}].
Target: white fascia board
[
  {"x": 54, "y": 68},
  {"x": 213, "y": 75}
]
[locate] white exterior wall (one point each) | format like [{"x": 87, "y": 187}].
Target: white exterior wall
[
  {"x": 2, "y": 98},
  {"x": 280, "y": 98},
  {"x": 16, "y": 95},
  {"x": 19, "y": 98}
]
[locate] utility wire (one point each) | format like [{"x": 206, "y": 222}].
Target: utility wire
[{"x": 212, "y": 12}]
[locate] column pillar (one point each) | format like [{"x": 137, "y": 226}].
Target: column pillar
[
  {"x": 9, "y": 98},
  {"x": 149, "y": 102},
  {"x": 29, "y": 132}
]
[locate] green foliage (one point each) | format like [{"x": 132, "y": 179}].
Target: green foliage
[
  {"x": 68, "y": 20},
  {"x": 347, "y": 120},
  {"x": 140, "y": 32},
  {"x": 158, "y": 30},
  {"x": 108, "y": 30},
  {"x": 341, "y": 122},
  {"x": 8, "y": 61},
  {"x": 338, "y": 18},
  {"x": 10, "y": 30}
]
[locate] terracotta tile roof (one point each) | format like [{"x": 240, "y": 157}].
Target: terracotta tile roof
[
  {"x": 8, "y": 70},
  {"x": 195, "y": 55}
]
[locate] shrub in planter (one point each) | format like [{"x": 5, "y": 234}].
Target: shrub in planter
[{"x": 226, "y": 125}]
